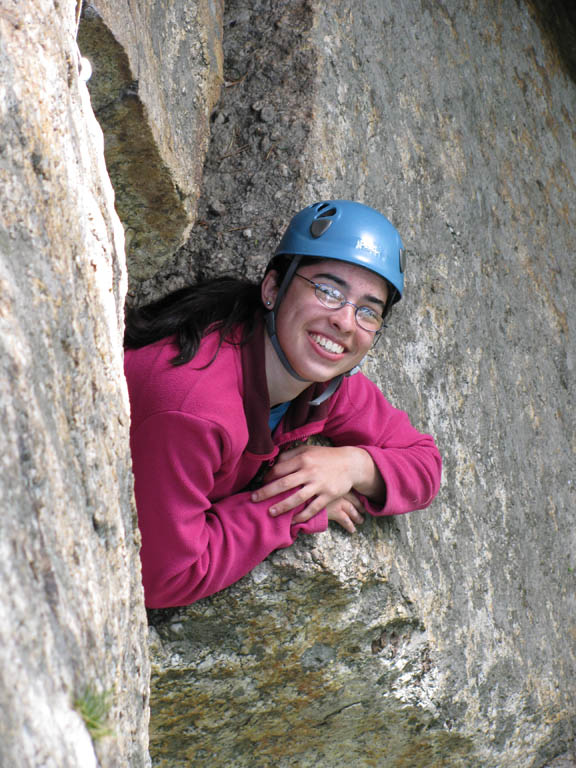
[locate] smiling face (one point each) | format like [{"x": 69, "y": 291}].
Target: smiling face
[{"x": 321, "y": 343}]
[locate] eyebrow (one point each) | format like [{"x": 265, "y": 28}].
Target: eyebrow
[{"x": 344, "y": 284}]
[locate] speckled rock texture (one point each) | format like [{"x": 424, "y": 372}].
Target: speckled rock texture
[
  {"x": 72, "y": 623},
  {"x": 446, "y": 637},
  {"x": 157, "y": 72}
]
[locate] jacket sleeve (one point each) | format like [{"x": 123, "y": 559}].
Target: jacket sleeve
[
  {"x": 192, "y": 547},
  {"x": 409, "y": 461}
]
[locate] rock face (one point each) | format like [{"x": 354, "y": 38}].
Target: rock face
[
  {"x": 72, "y": 624},
  {"x": 253, "y": 180},
  {"x": 157, "y": 74},
  {"x": 447, "y": 637}
]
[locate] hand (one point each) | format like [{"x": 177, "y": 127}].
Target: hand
[
  {"x": 345, "y": 511},
  {"x": 323, "y": 474}
]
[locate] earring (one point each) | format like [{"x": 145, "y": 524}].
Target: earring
[{"x": 268, "y": 303}]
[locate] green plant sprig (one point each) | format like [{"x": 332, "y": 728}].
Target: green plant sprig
[{"x": 94, "y": 708}]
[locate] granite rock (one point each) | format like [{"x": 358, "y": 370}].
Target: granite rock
[
  {"x": 157, "y": 72},
  {"x": 72, "y": 623}
]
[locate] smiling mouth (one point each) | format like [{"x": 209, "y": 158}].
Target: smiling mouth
[{"x": 327, "y": 344}]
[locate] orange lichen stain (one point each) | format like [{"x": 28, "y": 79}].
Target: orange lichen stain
[
  {"x": 533, "y": 413},
  {"x": 447, "y": 19},
  {"x": 569, "y": 120},
  {"x": 552, "y": 513},
  {"x": 542, "y": 283},
  {"x": 521, "y": 81},
  {"x": 6, "y": 300},
  {"x": 432, "y": 752},
  {"x": 546, "y": 91},
  {"x": 552, "y": 124}
]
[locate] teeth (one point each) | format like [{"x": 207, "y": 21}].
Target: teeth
[{"x": 329, "y": 346}]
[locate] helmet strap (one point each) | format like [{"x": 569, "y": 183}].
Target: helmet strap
[
  {"x": 271, "y": 328},
  {"x": 329, "y": 391},
  {"x": 290, "y": 272},
  {"x": 271, "y": 318}
]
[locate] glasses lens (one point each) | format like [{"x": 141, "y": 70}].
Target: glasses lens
[
  {"x": 330, "y": 297},
  {"x": 368, "y": 319}
]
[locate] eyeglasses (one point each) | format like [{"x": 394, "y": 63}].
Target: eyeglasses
[{"x": 366, "y": 317}]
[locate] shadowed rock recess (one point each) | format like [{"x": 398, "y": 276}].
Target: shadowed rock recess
[{"x": 156, "y": 75}]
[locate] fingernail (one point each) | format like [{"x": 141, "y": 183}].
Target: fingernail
[
  {"x": 273, "y": 510},
  {"x": 254, "y": 497}
]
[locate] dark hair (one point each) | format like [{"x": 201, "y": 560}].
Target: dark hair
[
  {"x": 219, "y": 305},
  {"x": 190, "y": 313}
]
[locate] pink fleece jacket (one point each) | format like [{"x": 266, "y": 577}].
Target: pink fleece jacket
[{"x": 199, "y": 435}]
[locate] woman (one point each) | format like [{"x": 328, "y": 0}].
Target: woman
[{"x": 228, "y": 380}]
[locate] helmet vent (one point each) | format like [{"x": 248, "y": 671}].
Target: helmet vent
[
  {"x": 318, "y": 227},
  {"x": 325, "y": 214}
]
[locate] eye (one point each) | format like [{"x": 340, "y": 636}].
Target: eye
[
  {"x": 369, "y": 316},
  {"x": 330, "y": 295}
]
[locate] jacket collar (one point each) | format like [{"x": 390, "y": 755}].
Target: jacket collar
[{"x": 256, "y": 399}]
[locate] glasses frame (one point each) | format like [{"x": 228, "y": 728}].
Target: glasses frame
[{"x": 343, "y": 303}]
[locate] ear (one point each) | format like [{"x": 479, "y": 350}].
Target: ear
[{"x": 269, "y": 289}]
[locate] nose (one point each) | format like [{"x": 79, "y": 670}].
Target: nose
[{"x": 345, "y": 318}]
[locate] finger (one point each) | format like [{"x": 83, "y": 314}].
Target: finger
[
  {"x": 290, "y": 453},
  {"x": 281, "y": 485},
  {"x": 281, "y": 469},
  {"x": 355, "y": 516},
  {"x": 291, "y": 461},
  {"x": 356, "y": 503},
  {"x": 305, "y": 514},
  {"x": 312, "y": 509},
  {"x": 346, "y": 523},
  {"x": 296, "y": 500}
]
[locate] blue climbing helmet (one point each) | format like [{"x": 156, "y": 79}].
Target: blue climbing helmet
[
  {"x": 346, "y": 231},
  {"x": 351, "y": 232}
]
